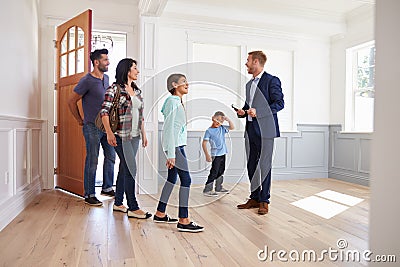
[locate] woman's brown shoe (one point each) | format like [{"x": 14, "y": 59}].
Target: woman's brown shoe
[
  {"x": 263, "y": 209},
  {"x": 250, "y": 204}
]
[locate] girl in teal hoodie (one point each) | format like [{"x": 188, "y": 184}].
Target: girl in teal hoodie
[{"x": 174, "y": 140}]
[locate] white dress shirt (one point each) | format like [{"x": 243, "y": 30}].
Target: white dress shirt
[{"x": 253, "y": 88}]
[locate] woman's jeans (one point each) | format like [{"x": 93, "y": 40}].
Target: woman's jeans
[
  {"x": 181, "y": 169},
  {"x": 126, "y": 151},
  {"x": 93, "y": 138}
]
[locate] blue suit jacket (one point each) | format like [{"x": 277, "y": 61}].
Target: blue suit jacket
[{"x": 268, "y": 100}]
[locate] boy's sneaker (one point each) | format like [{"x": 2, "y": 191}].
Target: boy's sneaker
[
  {"x": 93, "y": 201},
  {"x": 108, "y": 193},
  {"x": 165, "y": 219},
  {"x": 191, "y": 227},
  {"x": 210, "y": 193},
  {"x": 222, "y": 190}
]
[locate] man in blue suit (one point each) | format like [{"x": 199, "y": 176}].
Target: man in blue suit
[{"x": 264, "y": 98}]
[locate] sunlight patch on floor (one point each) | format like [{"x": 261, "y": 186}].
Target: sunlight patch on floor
[
  {"x": 340, "y": 198},
  {"x": 327, "y": 204}
]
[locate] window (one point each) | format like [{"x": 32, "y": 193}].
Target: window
[
  {"x": 360, "y": 79},
  {"x": 216, "y": 84},
  {"x": 71, "y": 60}
]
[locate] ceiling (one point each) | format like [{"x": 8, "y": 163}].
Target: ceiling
[
  {"x": 337, "y": 8},
  {"x": 323, "y": 17}
]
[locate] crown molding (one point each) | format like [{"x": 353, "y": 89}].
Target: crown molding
[
  {"x": 252, "y": 31},
  {"x": 300, "y": 29},
  {"x": 365, "y": 11},
  {"x": 125, "y": 2},
  {"x": 153, "y": 8},
  {"x": 291, "y": 19},
  {"x": 274, "y": 9}
]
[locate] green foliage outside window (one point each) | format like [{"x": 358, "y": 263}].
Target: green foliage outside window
[{"x": 366, "y": 72}]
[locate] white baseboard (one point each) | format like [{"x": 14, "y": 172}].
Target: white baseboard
[
  {"x": 296, "y": 174},
  {"x": 13, "y": 206},
  {"x": 240, "y": 177},
  {"x": 349, "y": 177}
]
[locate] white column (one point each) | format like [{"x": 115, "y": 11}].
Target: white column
[
  {"x": 147, "y": 173},
  {"x": 385, "y": 176}
]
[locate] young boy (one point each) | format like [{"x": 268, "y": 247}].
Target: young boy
[{"x": 216, "y": 136}]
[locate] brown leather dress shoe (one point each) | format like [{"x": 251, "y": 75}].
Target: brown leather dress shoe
[
  {"x": 250, "y": 204},
  {"x": 263, "y": 209}
]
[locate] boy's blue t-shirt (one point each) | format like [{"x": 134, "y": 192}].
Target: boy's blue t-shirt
[
  {"x": 92, "y": 90},
  {"x": 216, "y": 137}
]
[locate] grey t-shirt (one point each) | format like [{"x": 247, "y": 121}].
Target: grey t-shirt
[{"x": 92, "y": 90}]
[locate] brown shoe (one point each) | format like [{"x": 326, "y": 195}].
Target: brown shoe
[
  {"x": 250, "y": 204},
  {"x": 263, "y": 209}
]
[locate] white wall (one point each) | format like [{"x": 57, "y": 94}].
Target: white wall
[
  {"x": 385, "y": 182},
  {"x": 20, "y": 126},
  {"x": 19, "y": 68},
  {"x": 311, "y": 82},
  {"x": 360, "y": 29},
  {"x": 310, "y": 86}
]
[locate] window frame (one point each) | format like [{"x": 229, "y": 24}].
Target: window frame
[{"x": 352, "y": 88}]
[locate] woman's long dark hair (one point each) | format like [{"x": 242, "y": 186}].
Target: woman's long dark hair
[{"x": 121, "y": 73}]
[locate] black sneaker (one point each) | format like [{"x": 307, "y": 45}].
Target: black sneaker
[
  {"x": 210, "y": 193},
  {"x": 191, "y": 227},
  {"x": 93, "y": 201},
  {"x": 222, "y": 190},
  {"x": 165, "y": 219},
  {"x": 109, "y": 193}
]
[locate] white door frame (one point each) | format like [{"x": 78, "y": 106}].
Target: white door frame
[{"x": 147, "y": 174}]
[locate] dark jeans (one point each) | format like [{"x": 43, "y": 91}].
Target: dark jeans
[
  {"x": 181, "y": 169},
  {"x": 216, "y": 172},
  {"x": 93, "y": 138},
  {"x": 259, "y": 162},
  {"x": 126, "y": 151}
]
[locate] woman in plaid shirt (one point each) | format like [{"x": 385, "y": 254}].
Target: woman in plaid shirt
[{"x": 129, "y": 132}]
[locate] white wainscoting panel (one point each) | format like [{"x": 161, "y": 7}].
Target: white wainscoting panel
[
  {"x": 349, "y": 157},
  {"x": 308, "y": 150},
  {"x": 297, "y": 155},
  {"x": 21, "y": 158},
  {"x": 280, "y": 157},
  {"x": 20, "y": 165},
  {"x": 364, "y": 154},
  {"x": 36, "y": 154},
  {"x": 344, "y": 153},
  {"x": 194, "y": 154},
  {"x": 6, "y": 165},
  {"x": 314, "y": 151}
]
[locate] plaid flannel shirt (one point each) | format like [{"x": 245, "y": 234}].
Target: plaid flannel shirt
[{"x": 124, "y": 128}]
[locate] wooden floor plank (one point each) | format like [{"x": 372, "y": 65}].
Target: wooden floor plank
[
  {"x": 95, "y": 244},
  {"x": 70, "y": 247}
]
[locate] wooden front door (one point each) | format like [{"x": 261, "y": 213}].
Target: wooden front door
[{"x": 73, "y": 62}]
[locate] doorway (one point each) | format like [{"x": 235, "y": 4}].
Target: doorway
[{"x": 116, "y": 43}]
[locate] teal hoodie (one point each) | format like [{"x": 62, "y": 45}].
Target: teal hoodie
[{"x": 174, "y": 130}]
